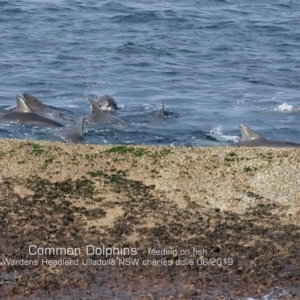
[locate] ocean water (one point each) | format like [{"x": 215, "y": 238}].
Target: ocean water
[{"x": 215, "y": 64}]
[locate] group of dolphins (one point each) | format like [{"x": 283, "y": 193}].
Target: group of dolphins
[{"x": 32, "y": 111}]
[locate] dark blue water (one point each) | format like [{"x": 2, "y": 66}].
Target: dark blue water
[{"x": 215, "y": 63}]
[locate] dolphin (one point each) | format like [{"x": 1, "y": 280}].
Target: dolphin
[
  {"x": 252, "y": 139},
  {"x": 37, "y": 106},
  {"x": 163, "y": 114},
  {"x": 99, "y": 117},
  {"x": 107, "y": 102},
  {"x": 23, "y": 114},
  {"x": 296, "y": 109},
  {"x": 73, "y": 135}
]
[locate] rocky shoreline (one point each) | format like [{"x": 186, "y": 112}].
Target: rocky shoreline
[{"x": 191, "y": 223}]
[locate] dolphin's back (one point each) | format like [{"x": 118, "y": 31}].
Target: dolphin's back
[
  {"x": 29, "y": 118},
  {"x": 75, "y": 134},
  {"x": 98, "y": 116},
  {"x": 104, "y": 119},
  {"x": 267, "y": 143},
  {"x": 34, "y": 103},
  {"x": 252, "y": 139}
]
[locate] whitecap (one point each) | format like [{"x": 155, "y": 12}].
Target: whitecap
[
  {"x": 217, "y": 133},
  {"x": 284, "y": 107}
]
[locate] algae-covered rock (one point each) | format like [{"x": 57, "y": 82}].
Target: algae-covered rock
[{"x": 82, "y": 220}]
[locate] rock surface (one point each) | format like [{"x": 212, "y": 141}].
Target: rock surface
[{"x": 204, "y": 223}]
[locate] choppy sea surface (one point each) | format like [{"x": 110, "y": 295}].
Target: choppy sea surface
[{"x": 215, "y": 64}]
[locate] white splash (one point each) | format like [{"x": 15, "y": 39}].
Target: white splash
[
  {"x": 284, "y": 107},
  {"x": 217, "y": 133},
  {"x": 10, "y": 108}
]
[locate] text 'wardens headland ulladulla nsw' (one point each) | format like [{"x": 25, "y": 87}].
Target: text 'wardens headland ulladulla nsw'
[
  {"x": 87, "y": 250},
  {"x": 123, "y": 257}
]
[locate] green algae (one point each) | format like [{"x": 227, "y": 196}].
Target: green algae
[
  {"x": 161, "y": 153},
  {"x": 37, "y": 149},
  {"x": 266, "y": 156},
  {"x": 248, "y": 169},
  {"x": 50, "y": 215},
  {"x": 138, "y": 152}
]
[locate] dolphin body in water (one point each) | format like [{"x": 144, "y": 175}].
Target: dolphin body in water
[
  {"x": 37, "y": 106},
  {"x": 97, "y": 116},
  {"x": 107, "y": 102},
  {"x": 163, "y": 114},
  {"x": 73, "y": 135},
  {"x": 252, "y": 139},
  {"x": 296, "y": 109},
  {"x": 23, "y": 114}
]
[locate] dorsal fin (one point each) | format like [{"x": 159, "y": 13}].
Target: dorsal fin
[
  {"x": 33, "y": 102},
  {"x": 163, "y": 109},
  {"x": 249, "y": 134},
  {"x": 79, "y": 126},
  {"x": 22, "y": 106},
  {"x": 95, "y": 106}
]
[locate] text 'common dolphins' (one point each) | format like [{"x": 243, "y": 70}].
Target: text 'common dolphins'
[
  {"x": 23, "y": 114},
  {"x": 252, "y": 139},
  {"x": 97, "y": 116}
]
